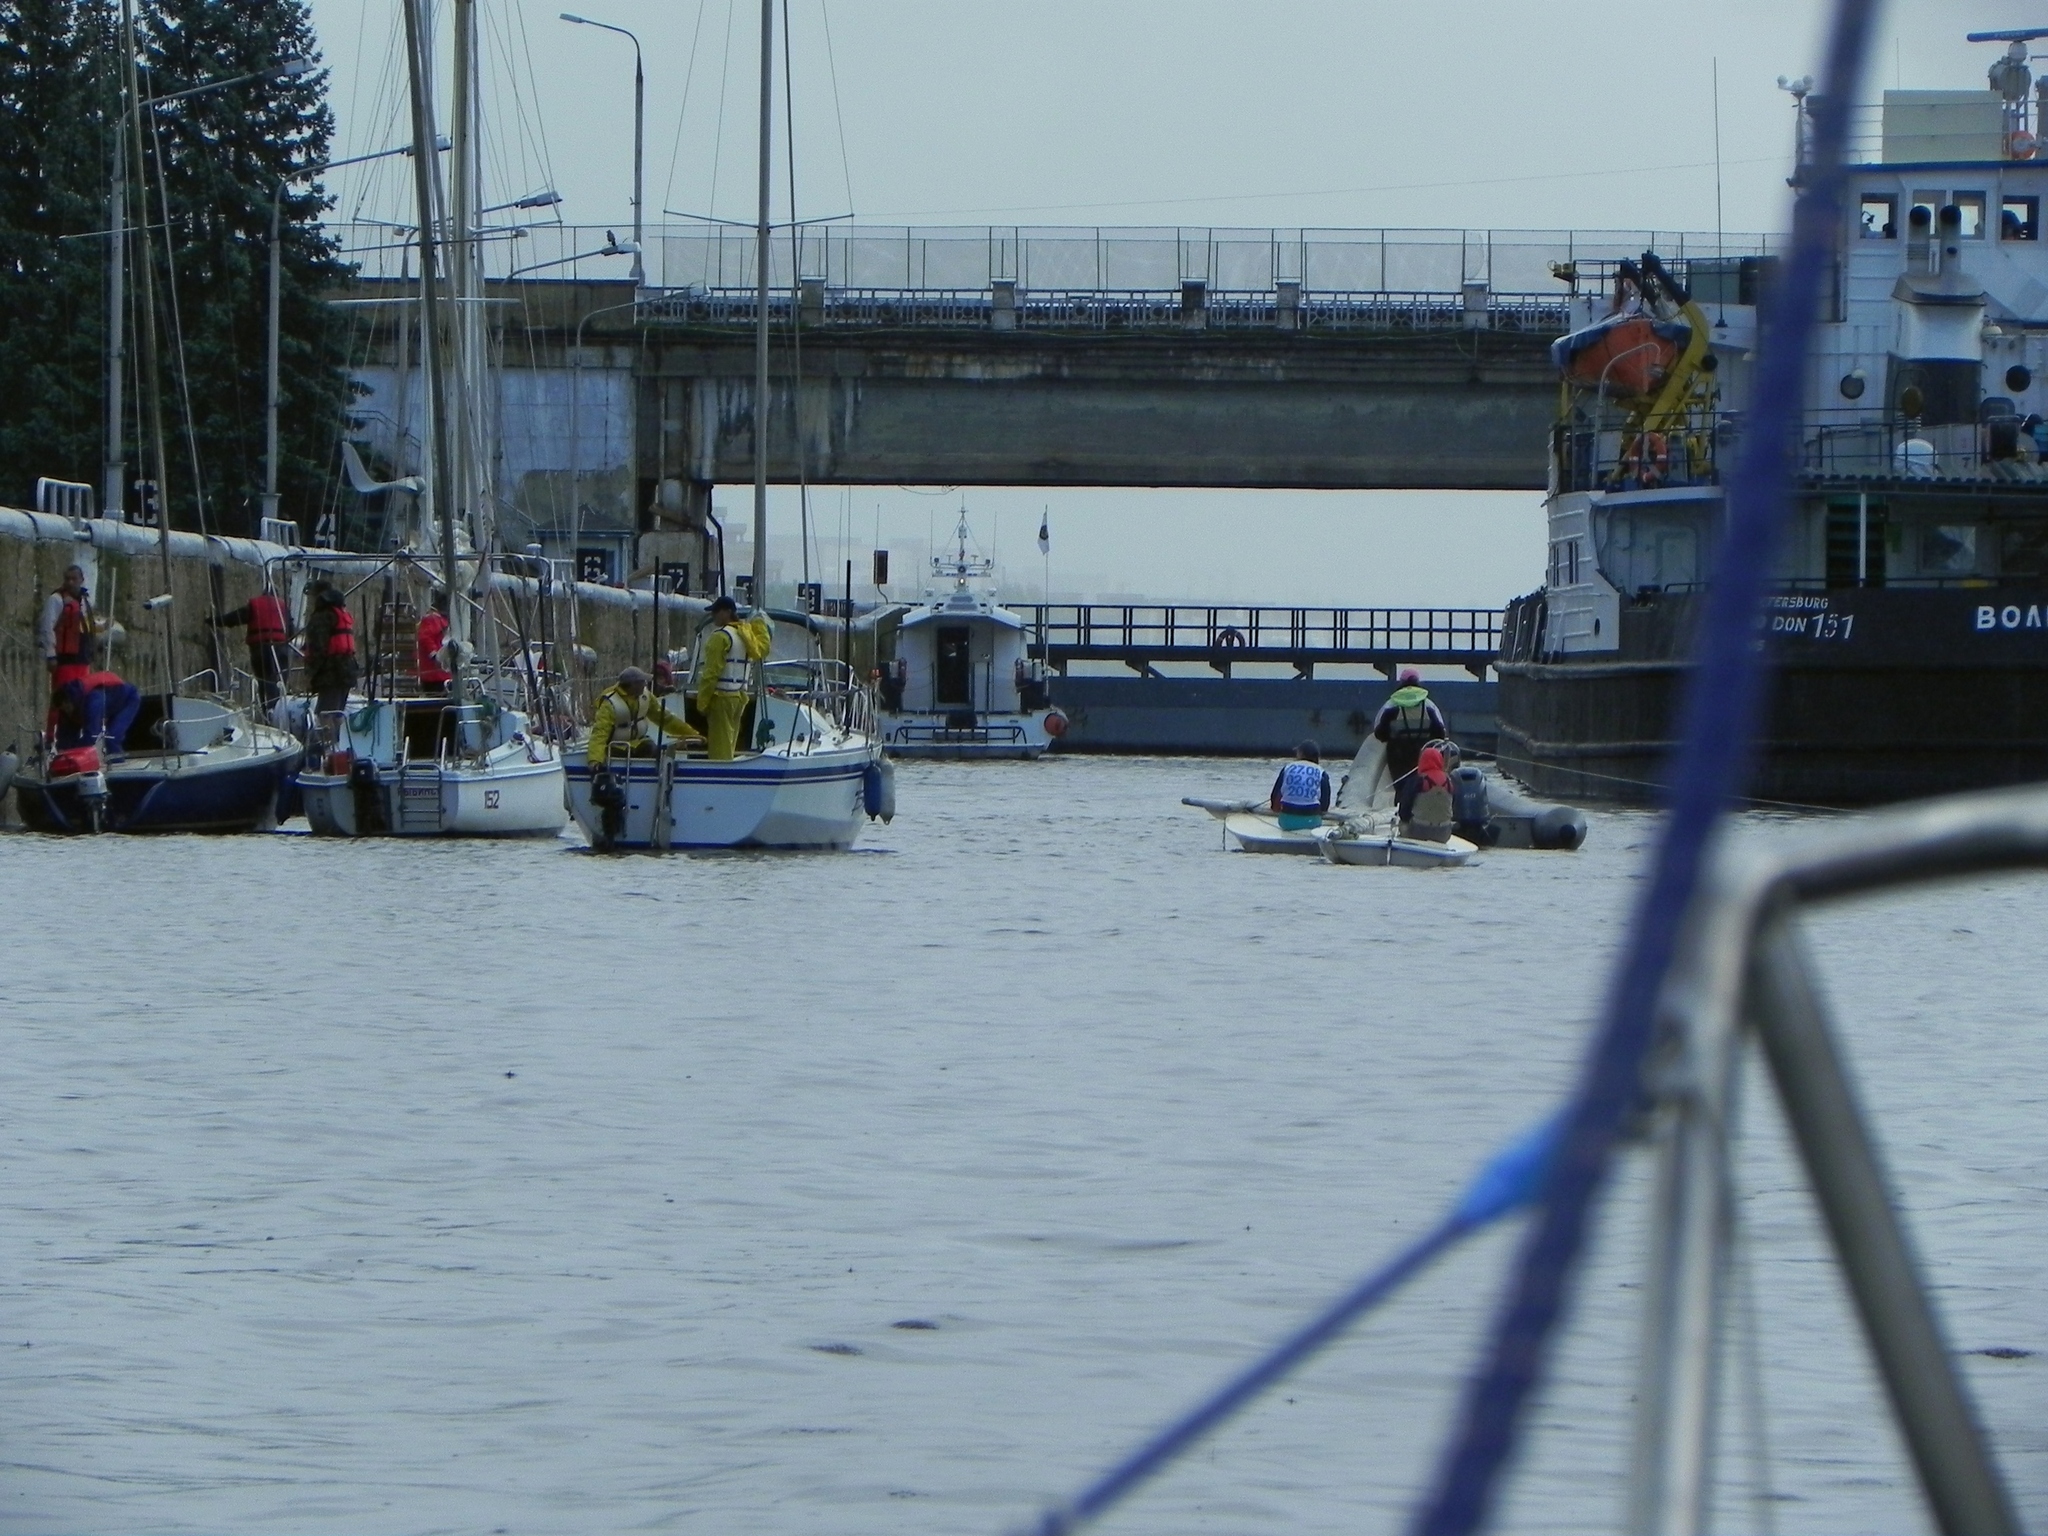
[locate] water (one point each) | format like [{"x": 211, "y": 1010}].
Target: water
[{"x": 409, "y": 1187}]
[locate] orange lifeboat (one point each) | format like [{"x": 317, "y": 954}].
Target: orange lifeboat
[{"x": 1623, "y": 356}]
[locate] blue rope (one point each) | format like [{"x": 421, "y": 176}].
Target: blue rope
[
  {"x": 1723, "y": 701},
  {"x": 1510, "y": 1180}
]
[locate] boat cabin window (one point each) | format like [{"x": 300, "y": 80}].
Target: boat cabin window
[
  {"x": 1971, "y": 206},
  {"x": 1948, "y": 549},
  {"x": 2023, "y": 551},
  {"x": 2019, "y": 218},
  {"x": 1880, "y": 216},
  {"x": 1646, "y": 549},
  {"x": 1847, "y": 565}
]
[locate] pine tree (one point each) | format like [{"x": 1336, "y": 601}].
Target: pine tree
[
  {"x": 216, "y": 161},
  {"x": 55, "y": 88}
]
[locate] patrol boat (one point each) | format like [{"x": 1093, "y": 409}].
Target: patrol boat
[
  {"x": 1910, "y": 618},
  {"x": 963, "y": 682}
]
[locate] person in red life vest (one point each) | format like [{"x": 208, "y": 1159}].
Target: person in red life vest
[
  {"x": 96, "y": 705},
  {"x": 330, "y": 650},
  {"x": 1423, "y": 798},
  {"x": 267, "y": 631},
  {"x": 64, "y": 632},
  {"x": 428, "y": 641}
]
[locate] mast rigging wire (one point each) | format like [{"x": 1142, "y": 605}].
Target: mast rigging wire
[{"x": 1723, "y": 701}]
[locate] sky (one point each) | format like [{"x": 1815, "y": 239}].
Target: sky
[{"x": 1495, "y": 114}]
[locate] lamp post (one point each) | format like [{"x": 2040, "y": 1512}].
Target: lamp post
[
  {"x": 276, "y": 299},
  {"x": 639, "y": 135}
]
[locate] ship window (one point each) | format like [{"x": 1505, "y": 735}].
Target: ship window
[
  {"x": 1879, "y": 216},
  {"x": 1971, "y": 206},
  {"x": 2023, "y": 550},
  {"x": 1948, "y": 549},
  {"x": 2019, "y": 218}
]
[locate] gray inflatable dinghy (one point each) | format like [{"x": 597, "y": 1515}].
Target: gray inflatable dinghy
[{"x": 1494, "y": 814}]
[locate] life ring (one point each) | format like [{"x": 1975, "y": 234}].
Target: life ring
[
  {"x": 1055, "y": 724},
  {"x": 2020, "y": 144},
  {"x": 1229, "y": 637},
  {"x": 1650, "y": 457}
]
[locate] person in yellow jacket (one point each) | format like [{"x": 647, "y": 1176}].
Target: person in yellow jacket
[
  {"x": 724, "y": 678},
  {"x": 630, "y": 709}
]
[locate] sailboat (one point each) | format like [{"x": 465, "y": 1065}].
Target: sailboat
[
  {"x": 191, "y": 760},
  {"x": 810, "y": 769},
  {"x": 469, "y": 762}
]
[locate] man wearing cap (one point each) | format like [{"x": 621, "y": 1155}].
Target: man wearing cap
[
  {"x": 725, "y": 679},
  {"x": 629, "y": 709},
  {"x": 1408, "y": 722}
]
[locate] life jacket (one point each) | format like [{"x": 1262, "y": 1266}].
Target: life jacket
[
  {"x": 432, "y": 635},
  {"x": 1412, "y": 721},
  {"x": 267, "y": 623},
  {"x": 343, "y": 641},
  {"x": 1301, "y": 786},
  {"x": 74, "y": 633},
  {"x": 632, "y": 721},
  {"x": 736, "y": 675},
  {"x": 1430, "y": 820}
]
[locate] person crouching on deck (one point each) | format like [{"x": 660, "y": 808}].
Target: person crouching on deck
[{"x": 629, "y": 711}]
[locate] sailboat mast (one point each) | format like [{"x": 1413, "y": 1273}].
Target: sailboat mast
[
  {"x": 423, "y": 142},
  {"x": 113, "y": 489},
  {"x": 151, "y": 391},
  {"x": 761, "y": 411}
]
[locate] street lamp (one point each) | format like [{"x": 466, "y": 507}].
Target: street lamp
[
  {"x": 276, "y": 291},
  {"x": 546, "y": 199},
  {"x": 613, "y": 246},
  {"x": 639, "y": 134}
]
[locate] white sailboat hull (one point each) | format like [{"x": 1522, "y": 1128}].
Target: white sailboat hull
[
  {"x": 375, "y": 785},
  {"x": 1257, "y": 833},
  {"x": 773, "y": 799},
  {"x": 1385, "y": 850}
]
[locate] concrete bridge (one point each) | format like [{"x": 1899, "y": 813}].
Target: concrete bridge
[{"x": 1200, "y": 358}]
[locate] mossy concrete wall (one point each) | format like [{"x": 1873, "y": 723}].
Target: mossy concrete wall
[{"x": 125, "y": 569}]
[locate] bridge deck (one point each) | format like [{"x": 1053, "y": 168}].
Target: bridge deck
[{"x": 1142, "y": 635}]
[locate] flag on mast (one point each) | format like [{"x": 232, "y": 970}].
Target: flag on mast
[{"x": 1044, "y": 532}]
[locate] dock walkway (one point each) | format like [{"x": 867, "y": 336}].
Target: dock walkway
[{"x": 1140, "y": 636}]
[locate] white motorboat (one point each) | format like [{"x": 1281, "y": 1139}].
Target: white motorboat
[
  {"x": 963, "y": 682},
  {"x": 813, "y": 776}
]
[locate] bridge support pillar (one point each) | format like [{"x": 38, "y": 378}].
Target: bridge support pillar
[{"x": 678, "y": 533}]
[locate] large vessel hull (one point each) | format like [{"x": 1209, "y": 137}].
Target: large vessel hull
[
  {"x": 1878, "y": 695},
  {"x": 772, "y": 800}
]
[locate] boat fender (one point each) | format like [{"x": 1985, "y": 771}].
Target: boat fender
[
  {"x": 1562, "y": 827},
  {"x": 1055, "y": 724},
  {"x": 878, "y": 790},
  {"x": 10, "y": 764}
]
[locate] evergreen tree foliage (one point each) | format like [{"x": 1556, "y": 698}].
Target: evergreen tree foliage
[
  {"x": 55, "y": 87},
  {"x": 213, "y": 164}
]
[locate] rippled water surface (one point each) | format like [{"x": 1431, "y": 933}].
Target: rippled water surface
[{"x": 408, "y": 1187}]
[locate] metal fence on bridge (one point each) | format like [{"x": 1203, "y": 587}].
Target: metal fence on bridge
[
  {"x": 1141, "y": 634},
  {"x": 1060, "y": 259}
]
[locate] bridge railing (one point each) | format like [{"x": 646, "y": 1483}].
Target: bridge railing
[
  {"x": 1203, "y": 631},
  {"x": 1057, "y": 259}
]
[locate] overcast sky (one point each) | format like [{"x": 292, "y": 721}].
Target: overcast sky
[{"x": 1503, "y": 114}]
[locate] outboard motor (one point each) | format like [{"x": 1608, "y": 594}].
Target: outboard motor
[
  {"x": 368, "y": 796},
  {"x": 609, "y": 796},
  {"x": 1471, "y": 813}
]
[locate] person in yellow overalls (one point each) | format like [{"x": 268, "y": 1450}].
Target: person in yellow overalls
[
  {"x": 631, "y": 711},
  {"x": 724, "y": 676}
]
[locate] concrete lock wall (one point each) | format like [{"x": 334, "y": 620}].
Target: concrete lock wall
[{"x": 124, "y": 569}]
